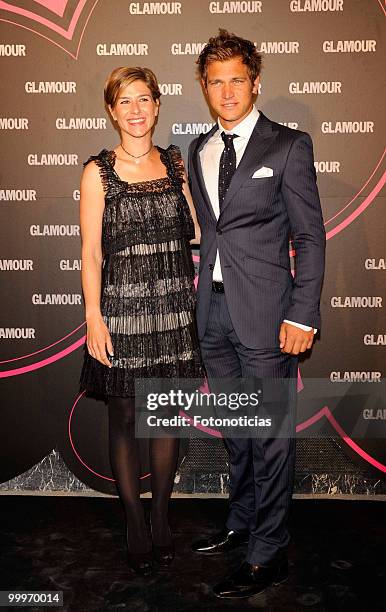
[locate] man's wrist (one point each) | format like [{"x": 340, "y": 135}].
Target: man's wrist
[{"x": 306, "y": 328}]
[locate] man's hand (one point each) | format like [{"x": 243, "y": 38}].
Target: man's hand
[{"x": 294, "y": 340}]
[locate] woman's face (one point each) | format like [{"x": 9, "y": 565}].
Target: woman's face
[{"x": 135, "y": 111}]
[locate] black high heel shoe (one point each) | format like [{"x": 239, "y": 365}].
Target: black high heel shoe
[
  {"x": 140, "y": 563},
  {"x": 163, "y": 555}
]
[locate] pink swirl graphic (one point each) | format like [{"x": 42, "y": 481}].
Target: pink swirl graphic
[
  {"x": 77, "y": 455},
  {"x": 366, "y": 202},
  {"x": 44, "y": 362},
  {"x": 55, "y": 6},
  {"x": 326, "y": 412},
  {"x": 359, "y": 192},
  {"x": 45, "y": 347},
  {"x": 58, "y": 8},
  {"x": 67, "y": 34}
]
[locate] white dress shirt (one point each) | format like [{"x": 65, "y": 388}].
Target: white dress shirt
[{"x": 210, "y": 161}]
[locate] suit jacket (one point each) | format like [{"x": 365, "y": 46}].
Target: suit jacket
[{"x": 257, "y": 220}]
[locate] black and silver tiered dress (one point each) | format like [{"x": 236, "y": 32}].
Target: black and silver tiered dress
[{"x": 147, "y": 290}]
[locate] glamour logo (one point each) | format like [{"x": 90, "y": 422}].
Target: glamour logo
[
  {"x": 81, "y": 123},
  {"x": 122, "y": 49},
  {"x": 56, "y": 299},
  {"x": 49, "y": 87},
  {"x": 12, "y": 50},
  {"x": 315, "y": 87},
  {"x": 349, "y": 46},
  {"x": 349, "y": 377},
  {"x": 327, "y": 167},
  {"x": 279, "y": 47},
  {"x": 68, "y": 265},
  {"x": 155, "y": 8},
  {"x": 191, "y": 128},
  {"x": 291, "y": 124},
  {"x": 52, "y": 159},
  {"x": 235, "y": 7},
  {"x": 22, "y": 265},
  {"x": 194, "y": 48},
  {"x": 316, "y": 6},
  {"x": 375, "y": 264},
  {"x": 13, "y": 123},
  {"x": 347, "y": 127},
  {"x": 374, "y": 339},
  {"x": 371, "y": 301},
  {"x": 170, "y": 89},
  {"x": 372, "y": 414},
  {"x": 17, "y": 195},
  {"x": 54, "y": 230},
  {"x": 76, "y": 195},
  {"x": 17, "y": 333}
]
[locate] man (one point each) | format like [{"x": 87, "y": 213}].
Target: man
[{"x": 254, "y": 186}]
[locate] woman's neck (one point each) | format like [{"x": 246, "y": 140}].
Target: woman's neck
[{"x": 136, "y": 146}]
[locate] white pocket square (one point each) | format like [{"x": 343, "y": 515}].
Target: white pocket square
[{"x": 263, "y": 172}]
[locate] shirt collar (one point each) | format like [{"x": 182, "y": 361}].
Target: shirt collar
[{"x": 245, "y": 128}]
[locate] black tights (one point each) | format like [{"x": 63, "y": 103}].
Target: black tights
[{"x": 125, "y": 463}]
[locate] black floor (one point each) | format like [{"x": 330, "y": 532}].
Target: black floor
[{"x": 75, "y": 545}]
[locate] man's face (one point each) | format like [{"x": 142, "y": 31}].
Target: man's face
[{"x": 230, "y": 90}]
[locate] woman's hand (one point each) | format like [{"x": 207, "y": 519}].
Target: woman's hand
[
  {"x": 99, "y": 339},
  {"x": 197, "y": 237},
  {"x": 189, "y": 199}
]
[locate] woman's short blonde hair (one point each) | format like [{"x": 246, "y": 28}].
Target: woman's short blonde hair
[{"x": 120, "y": 77}]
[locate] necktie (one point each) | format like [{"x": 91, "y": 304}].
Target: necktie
[{"x": 227, "y": 166}]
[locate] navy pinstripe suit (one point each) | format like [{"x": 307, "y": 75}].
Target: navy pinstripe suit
[{"x": 239, "y": 330}]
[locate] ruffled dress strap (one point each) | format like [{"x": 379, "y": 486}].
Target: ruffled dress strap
[
  {"x": 172, "y": 158},
  {"x": 105, "y": 162}
]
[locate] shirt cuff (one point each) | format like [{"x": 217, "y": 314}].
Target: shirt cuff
[{"x": 300, "y": 325}]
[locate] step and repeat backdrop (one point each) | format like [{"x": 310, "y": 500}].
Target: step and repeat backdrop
[{"x": 323, "y": 66}]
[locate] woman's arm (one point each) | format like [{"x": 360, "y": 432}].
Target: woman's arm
[
  {"x": 91, "y": 213},
  {"x": 189, "y": 199}
]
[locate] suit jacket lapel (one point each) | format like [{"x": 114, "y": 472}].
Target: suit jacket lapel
[
  {"x": 198, "y": 169},
  {"x": 261, "y": 139}
]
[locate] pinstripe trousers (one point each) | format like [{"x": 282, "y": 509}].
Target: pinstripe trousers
[{"x": 261, "y": 469}]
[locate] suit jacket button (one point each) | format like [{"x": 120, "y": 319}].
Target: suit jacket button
[
  {"x": 219, "y": 232},
  {"x": 211, "y": 267}
]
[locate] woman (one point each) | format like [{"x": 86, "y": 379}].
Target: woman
[{"x": 137, "y": 219}]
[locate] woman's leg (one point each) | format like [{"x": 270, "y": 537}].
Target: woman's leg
[
  {"x": 125, "y": 463},
  {"x": 163, "y": 463}
]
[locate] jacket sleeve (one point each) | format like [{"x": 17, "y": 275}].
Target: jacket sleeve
[
  {"x": 190, "y": 162},
  {"x": 302, "y": 201}
]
